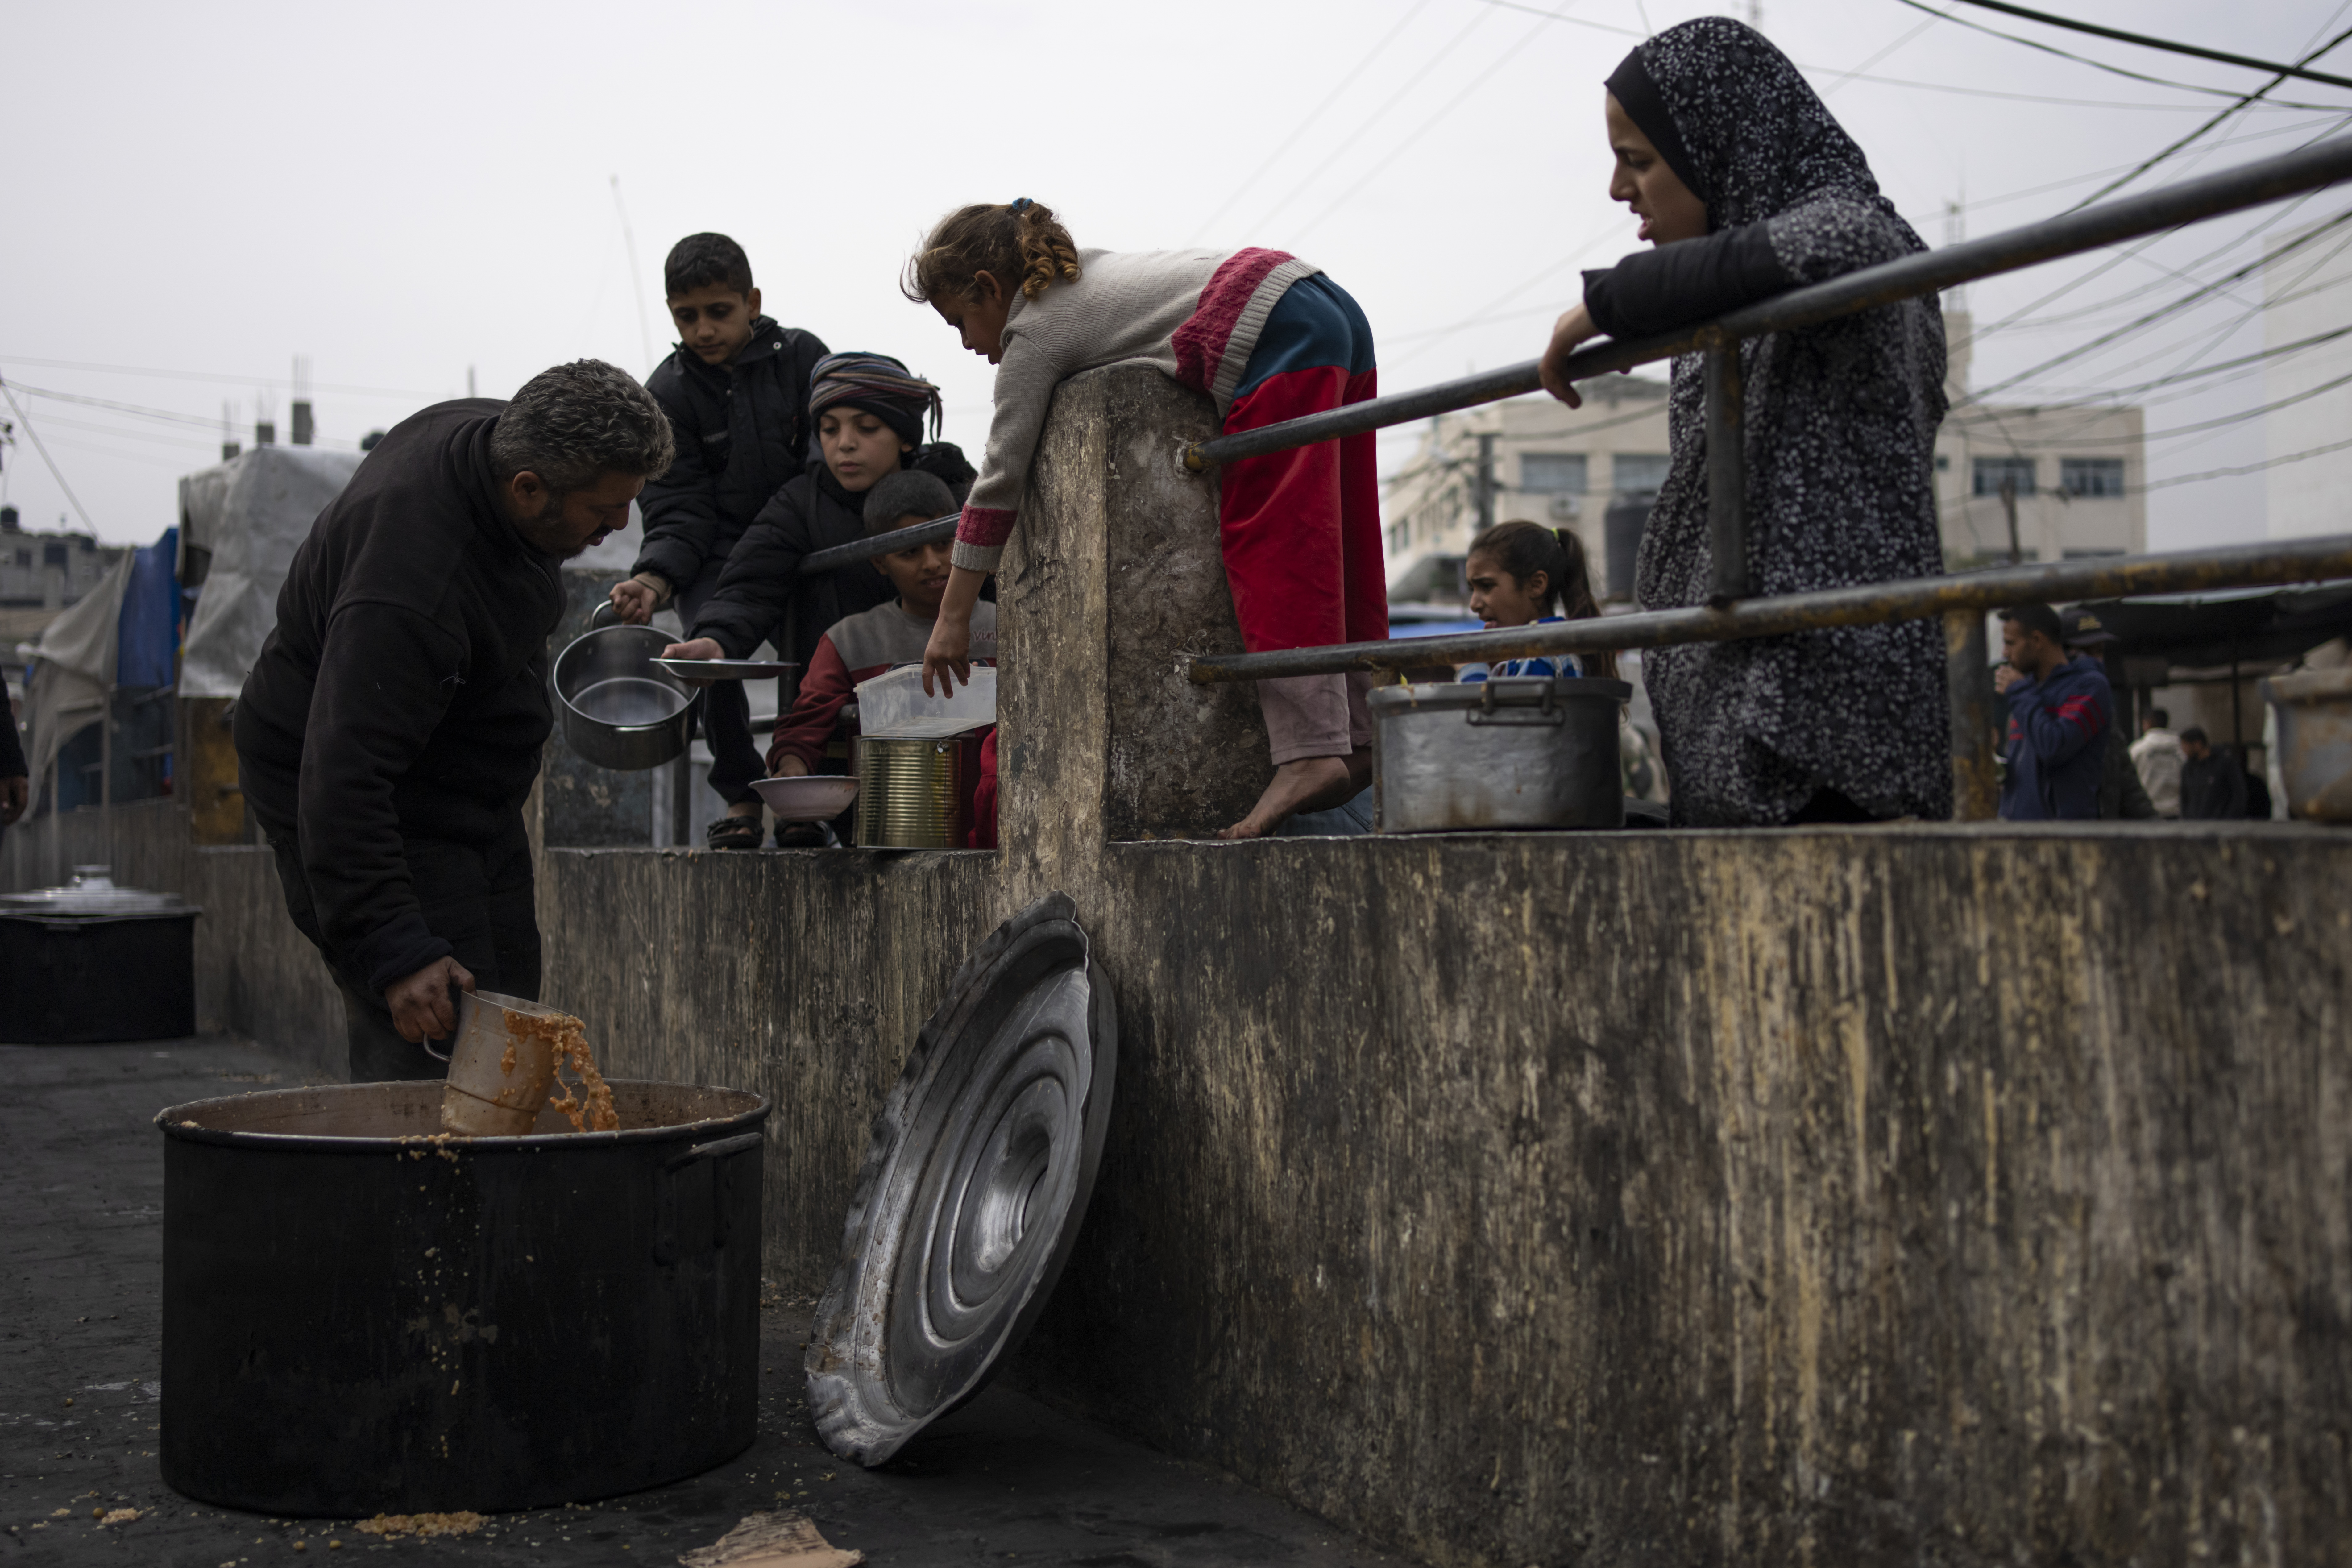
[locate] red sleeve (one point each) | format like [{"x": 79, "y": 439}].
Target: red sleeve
[{"x": 824, "y": 689}]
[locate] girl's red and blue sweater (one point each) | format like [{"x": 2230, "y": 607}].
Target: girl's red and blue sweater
[{"x": 1193, "y": 314}]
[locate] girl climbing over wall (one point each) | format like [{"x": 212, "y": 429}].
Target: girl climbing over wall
[
  {"x": 1748, "y": 186},
  {"x": 1522, "y": 574},
  {"x": 1269, "y": 338}
]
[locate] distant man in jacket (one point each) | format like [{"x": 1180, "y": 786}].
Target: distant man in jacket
[
  {"x": 2212, "y": 783},
  {"x": 2158, "y": 757},
  {"x": 736, "y": 389},
  {"x": 392, "y": 726},
  {"x": 2060, "y": 711}
]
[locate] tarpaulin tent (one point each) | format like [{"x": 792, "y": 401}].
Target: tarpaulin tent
[
  {"x": 123, "y": 633},
  {"x": 240, "y": 523}
]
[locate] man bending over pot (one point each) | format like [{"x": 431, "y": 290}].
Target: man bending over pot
[{"x": 391, "y": 728}]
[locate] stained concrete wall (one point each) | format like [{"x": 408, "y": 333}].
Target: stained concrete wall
[
  {"x": 1960, "y": 1194},
  {"x": 1947, "y": 1195}
]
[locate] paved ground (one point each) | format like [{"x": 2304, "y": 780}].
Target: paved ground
[{"x": 1003, "y": 1481}]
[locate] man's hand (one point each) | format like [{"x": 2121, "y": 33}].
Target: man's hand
[
  {"x": 787, "y": 767},
  {"x": 2007, "y": 676},
  {"x": 421, "y": 1006},
  {"x": 636, "y": 600},
  {"x": 700, "y": 647},
  {"x": 950, "y": 650},
  {"x": 16, "y": 794},
  {"x": 1573, "y": 329}
]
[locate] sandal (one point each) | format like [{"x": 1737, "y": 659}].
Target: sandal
[
  {"x": 735, "y": 833},
  {"x": 800, "y": 835}
]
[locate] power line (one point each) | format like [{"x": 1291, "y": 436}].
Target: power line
[
  {"x": 1972, "y": 92},
  {"x": 2242, "y": 361},
  {"x": 42, "y": 448},
  {"x": 1414, "y": 138},
  {"x": 1348, "y": 143},
  {"x": 2221, "y": 422},
  {"x": 2069, "y": 54},
  {"x": 2245, "y": 467},
  {"x": 211, "y": 375},
  {"x": 2146, "y": 42},
  {"x": 1312, "y": 116},
  {"x": 2158, "y": 314},
  {"x": 2261, "y": 91}
]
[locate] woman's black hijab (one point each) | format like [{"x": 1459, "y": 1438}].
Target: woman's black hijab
[{"x": 1739, "y": 124}]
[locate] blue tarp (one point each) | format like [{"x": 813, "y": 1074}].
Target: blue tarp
[{"x": 148, "y": 636}]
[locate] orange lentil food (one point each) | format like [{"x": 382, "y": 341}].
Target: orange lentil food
[
  {"x": 569, "y": 1046},
  {"x": 393, "y": 1525}
]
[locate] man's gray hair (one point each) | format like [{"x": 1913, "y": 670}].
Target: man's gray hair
[{"x": 573, "y": 423}]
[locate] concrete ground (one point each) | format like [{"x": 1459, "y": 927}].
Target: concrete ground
[{"x": 1003, "y": 1481}]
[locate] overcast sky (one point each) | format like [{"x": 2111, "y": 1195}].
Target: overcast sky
[{"x": 200, "y": 194}]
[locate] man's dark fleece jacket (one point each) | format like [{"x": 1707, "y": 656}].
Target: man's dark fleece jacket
[
  {"x": 742, "y": 430},
  {"x": 403, "y": 692},
  {"x": 2057, "y": 743}
]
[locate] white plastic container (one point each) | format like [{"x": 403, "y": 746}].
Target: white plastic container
[{"x": 892, "y": 706}]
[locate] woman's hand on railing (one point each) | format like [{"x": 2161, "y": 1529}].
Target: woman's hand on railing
[
  {"x": 1573, "y": 329},
  {"x": 700, "y": 647}
]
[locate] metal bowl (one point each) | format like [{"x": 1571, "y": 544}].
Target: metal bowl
[
  {"x": 815, "y": 797},
  {"x": 621, "y": 709}
]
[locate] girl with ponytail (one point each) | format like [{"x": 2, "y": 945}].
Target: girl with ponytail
[
  {"x": 1521, "y": 573},
  {"x": 1269, "y": 338}
]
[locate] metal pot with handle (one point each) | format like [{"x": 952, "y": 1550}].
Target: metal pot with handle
[
  {"x": 1508, "y": 752},
  {"x": 619, "y": 709}
]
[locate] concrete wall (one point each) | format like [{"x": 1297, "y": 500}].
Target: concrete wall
[
  {"x": 1945, "y": 1194},
  {"x": 1957, "y": 1195}
]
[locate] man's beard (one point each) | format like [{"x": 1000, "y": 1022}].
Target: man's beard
[{"x": 544, "y": 532}]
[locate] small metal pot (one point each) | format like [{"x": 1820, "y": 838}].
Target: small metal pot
[
  {"x": 1512, "y": 753},
  {"x": 620, "y": 709}
]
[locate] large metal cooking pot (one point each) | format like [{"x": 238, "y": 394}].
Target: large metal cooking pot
[
  {"x": 359, "y": 1317},
  {"x": 620, "y": 709},
  {"x": 1508, "y": 752},
  {"x": 2314, "y": 742},
  {"x": 90, "y": 961}
]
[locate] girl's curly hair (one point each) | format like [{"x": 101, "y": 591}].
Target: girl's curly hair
[{"x": 1020, "y": 240}]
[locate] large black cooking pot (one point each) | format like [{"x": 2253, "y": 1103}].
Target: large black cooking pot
[
  {"x": 90, "y": 961},
  {"x": 359, "y": 1319}
]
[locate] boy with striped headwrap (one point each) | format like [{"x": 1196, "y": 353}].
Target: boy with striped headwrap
[{"x": 870, "y": 412}]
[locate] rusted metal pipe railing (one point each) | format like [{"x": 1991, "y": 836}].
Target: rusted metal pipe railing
[
  {"x": 839, "y": 555},
  {"x": 1869, "y": 605},
  {"x": 2233, "y": 190}
]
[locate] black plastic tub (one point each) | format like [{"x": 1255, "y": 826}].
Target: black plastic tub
[
  {"x": 360, "y": 1317},
  {"x": 91, "y": 962}
]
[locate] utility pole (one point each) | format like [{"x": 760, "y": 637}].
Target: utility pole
[
  {"x": 469, "y": 381},
  {"x": 1485, "y": 489},
  {"x": 2009, "y": 506},
  {"x": 230, "y": 446},
  {"x": 300, "y": 414}
]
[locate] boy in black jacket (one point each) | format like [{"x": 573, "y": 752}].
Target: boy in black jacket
[{"x": 736, "y": 391}]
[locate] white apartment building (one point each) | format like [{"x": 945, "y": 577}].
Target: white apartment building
[
  {"x": 2304, "y": 299},
  {"x": 2074, "y": 478}
]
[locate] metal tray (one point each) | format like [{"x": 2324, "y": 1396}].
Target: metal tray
[{"x": 725, "y": 669}]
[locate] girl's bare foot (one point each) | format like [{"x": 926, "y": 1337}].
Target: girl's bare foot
[{"x": 1309, "y": 783}]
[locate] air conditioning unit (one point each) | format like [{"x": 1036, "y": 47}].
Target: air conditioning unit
[{"x": 1567, "y": 508}]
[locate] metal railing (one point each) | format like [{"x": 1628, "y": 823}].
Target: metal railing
[{"x": 1731, "y": 614}]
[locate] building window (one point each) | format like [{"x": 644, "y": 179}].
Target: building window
[
  {"x": 1552, "y": 473},
  {"x": 1943, "y": 462},
  {"x": 53, "y": 555},
  {"x": 1400, "y": 538},
  {"x": 1634, "y": 472},
  {"x": 2091, "y": 476},
  {"x": 1991, "y": 471}
]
